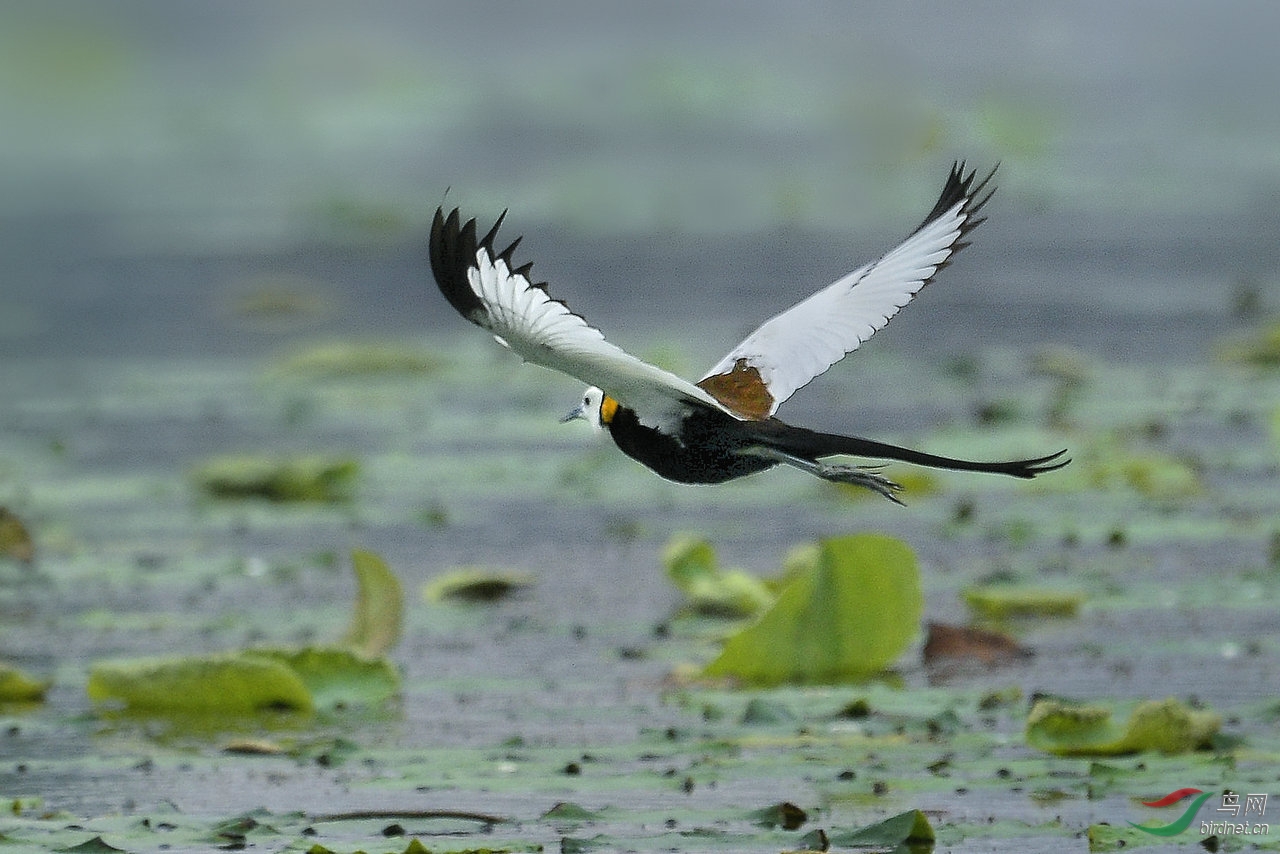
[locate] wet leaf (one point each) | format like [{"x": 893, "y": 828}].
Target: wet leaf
[
  {"x": 335, "y": 676},
  {"x": 354, "y": 359},
  {"x": 565, "y": 812},
  {"x": 1069, "y": 365},
  {"x": 253, "y": 747},
  {"x": 972, "y": 644},
  {"x": 711, "y": 591},
  {"x": 17, "y": 687},
  {"x": 910, "y": 827},
  {"x": 379, "y": 608},
  {"x": 314, "y": 478},
  {"x": 15, "y": 541},
  {"x": 1112, "y": 837},
  {"x": 762, "y": 711},
  {"x": 849, "y": 617},
  {"x": 1071, "y": 729},
  {"x": 1154, "y": 475},
  {"x": 221, "y": 684},
  {"x": 786, "y": 815},
  {"x": 476, "y": 584},
  {"x": 1261, "y": 347},
  {"x": 96, "y": 845},
  {"x": 578, "y": 845},
  {"x": 800, "y": 559},
  {"x": 1001, "y": 602}
]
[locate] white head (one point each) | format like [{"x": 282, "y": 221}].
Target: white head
[{"x": 596, "y": 408}]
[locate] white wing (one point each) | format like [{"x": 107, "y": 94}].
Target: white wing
[
  {"x": 789, "y": 350},
  {"x": 483, "y": 286}
]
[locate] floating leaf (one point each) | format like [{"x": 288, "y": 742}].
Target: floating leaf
[
  {"x": 1115, "y": 837},
  {"x": 1000, "y": 602},
  {"x": 972, "y": 644},
  {"x": 762, "y": 711},
  {"x": 569, "y": 813},
  {"x": 15, "y": 540},
  {"x": 713, "y": 592},
  {"x": 221, "y": 684},
  {"x": 354, "y": 359},
  {"x": 909, "y": 828},
  {"x": 379, "y": 608},
  {"x": 96, "y": 845},
  {"x": 253, "y": 747},
  {"x": 336, "y": 676},
  {"x": 847, "y": 618},
  {"x": 325, "y": 479},
  {"x": 786, "y": 815},
  {"x": 17, "y": 687},
  {"x": 1071, "y": 729},
  {"x": 1261, "y": 347},
  {"x": 1068, "y": 365},
  {"x": 1154, "y": 475},
  {"x": 799, "y": 560},
  {"x": 475, "y": 584}
]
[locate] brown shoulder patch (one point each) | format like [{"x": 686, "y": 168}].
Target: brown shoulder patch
[{"x": 741, "y": 390}]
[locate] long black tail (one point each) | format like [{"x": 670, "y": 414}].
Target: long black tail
[{"x": 813, "y": 445}]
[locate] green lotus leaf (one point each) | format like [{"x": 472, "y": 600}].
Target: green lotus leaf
[{"x": 847, "y": 618}]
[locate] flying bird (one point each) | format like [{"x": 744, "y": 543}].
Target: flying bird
[{"x": 723, "y": 426}]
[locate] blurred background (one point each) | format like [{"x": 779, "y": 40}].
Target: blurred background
[
  {"x": 198, "y": 199},
  {"x": 219, "y": 178}
]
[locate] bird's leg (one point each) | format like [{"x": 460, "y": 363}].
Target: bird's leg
[{"x": 865, "y": 476}]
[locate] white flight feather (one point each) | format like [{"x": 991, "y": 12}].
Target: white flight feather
[
  {"x": 544, "y": 331},
  {"x": 793, "y": 347}
]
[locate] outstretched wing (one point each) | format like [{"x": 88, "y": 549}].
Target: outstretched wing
[
  {"x": 486, "y": 289},
  {"x": 797, "y": 345}
]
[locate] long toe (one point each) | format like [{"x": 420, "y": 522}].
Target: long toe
[{"x": 862, "y": 476}]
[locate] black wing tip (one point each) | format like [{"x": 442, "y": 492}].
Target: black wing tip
[
  {"x": 961, "y": 187},
  {"x": 453, "y": 246}
]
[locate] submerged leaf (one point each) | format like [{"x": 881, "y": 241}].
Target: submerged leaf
[
  {"x": 222, "y": 684},
  {"x": 847, "y": 618},
  {"x": 325, "y": 479},
  {"x": 713, "y": 592},
  {"x": 1167, "y": 726},
  {"x": 17, "y": 687},
  {"x": 905, "y": 828},
  {"x": 379, "y": 609},
  {"x": 475, "y": 584}
]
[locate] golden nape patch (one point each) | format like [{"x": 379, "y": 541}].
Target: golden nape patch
[
  {"x": 741, "y": 390},
  {"x": 608, "y": 407}
]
